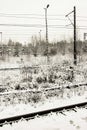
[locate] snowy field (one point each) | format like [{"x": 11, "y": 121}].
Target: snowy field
[
  {"x": 58, "y": 69},
  {"x": 59, "y": 73}
]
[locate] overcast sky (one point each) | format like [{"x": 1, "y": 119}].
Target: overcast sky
[{"x": 11, "y": 12}]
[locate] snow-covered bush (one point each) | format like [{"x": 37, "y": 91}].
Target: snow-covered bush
[
  {"x": 36, "y": 97},
  {"x": 2, "y": 89}
]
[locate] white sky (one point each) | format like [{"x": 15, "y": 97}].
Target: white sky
[{"x": 57, "y": 7}]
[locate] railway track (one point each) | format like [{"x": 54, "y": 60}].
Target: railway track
[
  {"x": 46, "y": 89},
  {"x": 28, "y": 116},
  {"x": 29, "y": 95},
  {"x": 43, "y": 112},
  {"x": 18, "y": 68}
]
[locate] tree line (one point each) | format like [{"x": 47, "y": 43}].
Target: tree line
[{"x": 37, "y": 47}]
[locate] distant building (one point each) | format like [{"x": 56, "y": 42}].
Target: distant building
[{"x": 85, "y": 36}]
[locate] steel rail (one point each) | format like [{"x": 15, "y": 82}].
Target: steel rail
[
  {"x": 41, "y": 113},
  {"x": 47, "y": 89},
  {"x": 17, "y": 68}
]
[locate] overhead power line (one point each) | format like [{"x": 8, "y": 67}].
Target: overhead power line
[
  {"x": 21, "y": 14},
  {"x": 40, "y": 25},
  {"x": 33, "y": 17},
  {"x": 30, "y": 25},
  {"x": 39, "y": 16},
  {"x": 31, "y": 14}
]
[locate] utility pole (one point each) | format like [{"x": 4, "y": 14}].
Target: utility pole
[
  {"x": 1, "y": 36},
  {"x": 1, "y": 44},
  {"x": 74, "y": 25},
  {"x": 75, "y": 51},
  {"x": 40, "y": 35},
  {"x": 46, "y": 31},
  {"x": 46, "y": 23}
]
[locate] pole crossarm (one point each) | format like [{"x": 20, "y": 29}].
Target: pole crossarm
[
  {"x": 70, "y": 21},
  {"x": 69, "y": 13},
  {"x": 69, "y": 18},
  {"x": 68, "y": 25}
]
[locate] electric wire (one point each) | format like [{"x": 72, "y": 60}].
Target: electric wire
[{"x": 34, "y": 16}]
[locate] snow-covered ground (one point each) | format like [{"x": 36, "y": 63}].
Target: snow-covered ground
[{"x": 17, "y": 109}]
